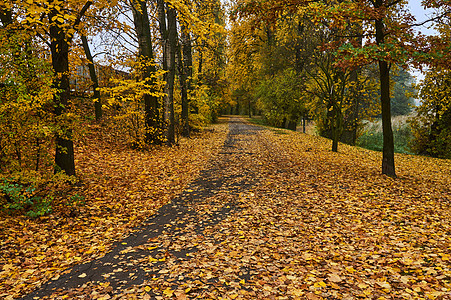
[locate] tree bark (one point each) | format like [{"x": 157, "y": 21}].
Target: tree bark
[
  {"x": 94, "y": 79},
  {"x": 355, "y": 112},
  {"x": 388, "y": 152},
  {"x": 183, "y": 92},
  {"x": 303, "y": 123},
  {"x": 59, "y": 47},
  {"x": 188, "y": 73},
  {"x": 169, "y": 44},
  {"x": 171, "y": 51},
  {"x": 145, "y": 51},
  {"x": 161, "y": 11},
  {"x": 200, "y": 64},
  {"x": 337, "y": 128}
]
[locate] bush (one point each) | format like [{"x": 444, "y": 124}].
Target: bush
[{"x": 22, "y": 198}]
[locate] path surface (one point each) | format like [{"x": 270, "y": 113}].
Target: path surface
[
  {"x": 211, "y": 198},
  {"x": 277, "y": 215}
]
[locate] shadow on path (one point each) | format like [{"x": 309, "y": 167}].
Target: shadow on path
[{"x": 207, "y": 201}]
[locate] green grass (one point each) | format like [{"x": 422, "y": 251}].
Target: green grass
[
  {"x": 262, "y": 121},
  {"x": 372, "y": 137},
  {"x": 258, "y": 121},
  {"x": 279, "y": 131}
]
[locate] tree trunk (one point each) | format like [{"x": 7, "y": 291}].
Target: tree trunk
[
  {"x": 299, "y": 62},
  {"x": 337, "y": 128},
  {"x": 6, "y": 17},
  {"x": 388, "y": 153},
  {"x": 350, "y": 134},
  {"x": 169, "y": 76},
  {"x": 145, "y": 51},
  {"x": 200, "y": 64},
  {"x": 161, "y": 12},
  {"x": 183, "y": 92},
  {"x": 94, "y": 79},
  {"x": 303, "y": 123},
  {"x": 171, "y": 51},
  {"x": 185, "y": 71},
  {"x": 292, "y": 123},
  {"x": 358, "y": 30},
  {"x": 59, "y": 47}
]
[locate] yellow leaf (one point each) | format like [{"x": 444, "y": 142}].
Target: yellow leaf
[
  {"x": 147, "y": 288},
  {"x": 404, "y": 279},
  {"x": 334, "y": 278},
  {"x": 168, "y": 292},
  {"x": 384, "y": 285}
]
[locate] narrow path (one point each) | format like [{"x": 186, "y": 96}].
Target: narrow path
[{"x": 208, "y": 200}]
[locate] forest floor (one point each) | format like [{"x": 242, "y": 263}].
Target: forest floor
[{"x": 240, "y": 212}]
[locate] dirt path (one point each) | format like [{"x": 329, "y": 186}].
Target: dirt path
[{"x": 168, "y": 236}]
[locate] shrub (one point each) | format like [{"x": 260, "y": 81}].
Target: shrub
[{"x": 22, "y": 198}]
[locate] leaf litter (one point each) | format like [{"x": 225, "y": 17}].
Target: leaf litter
[
  {"x": 302, "y": 223},
  {"x": 121, "y": 187}
]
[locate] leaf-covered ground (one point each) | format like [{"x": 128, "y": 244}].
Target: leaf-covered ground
[
  {"x": 121, "y": 188},
  {"x": 274, "y": 215}
]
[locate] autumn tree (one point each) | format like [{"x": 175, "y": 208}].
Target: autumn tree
[
  {"x": 387, "y": 33},
  {"x": 146, "y": 57},
  {"x": 167, "y": 17},
  {"x": 431, "y": 123},
  {"x": 55, "y": 22},
  {"x": 431, "y": 126},
  {"x": 26, "y": 99},
  {"x": 185, "y": 70},
  {"x": 94, "y": 78},
  {"x": 209, "y": 61},
  {"x": 242, "y": 69},
  {"x": 99, "y": 22}
]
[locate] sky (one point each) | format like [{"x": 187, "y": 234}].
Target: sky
[{"x": 421, "y": 15}]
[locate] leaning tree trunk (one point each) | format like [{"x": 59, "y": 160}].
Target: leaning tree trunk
[
  {"x": 145, "y": 51},
  {"x": 388, "y": 152},
  {"x": 94, "y": 79},
  {"x": 59, "y": 47}
]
